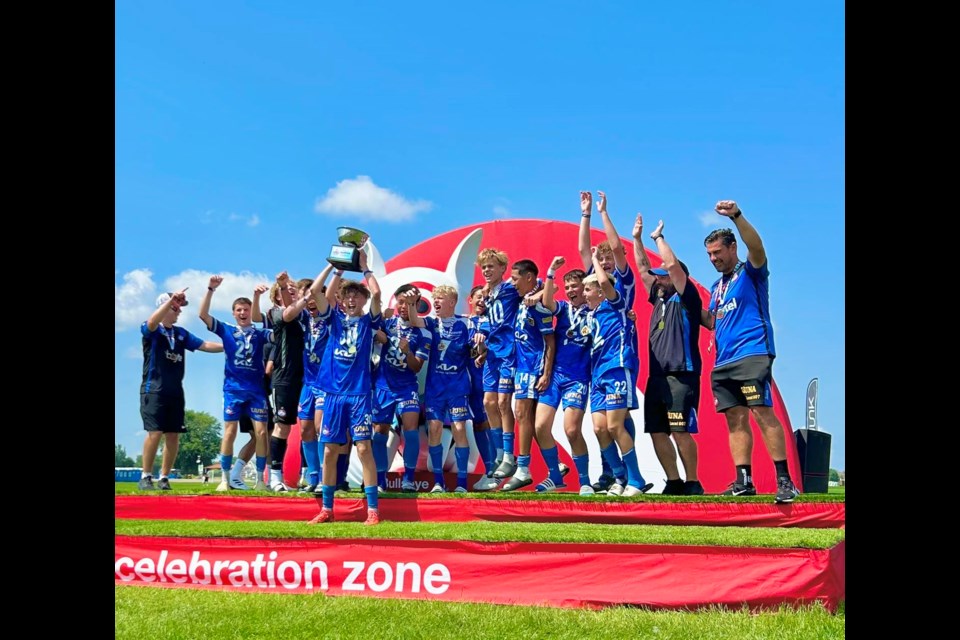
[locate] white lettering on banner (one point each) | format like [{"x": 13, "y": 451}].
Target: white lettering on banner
[{"x": 379, "y": 576}]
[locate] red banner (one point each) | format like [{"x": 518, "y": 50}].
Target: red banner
[{"x": 565, "y": 575}]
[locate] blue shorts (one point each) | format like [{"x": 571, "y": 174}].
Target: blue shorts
[
  {"x": 525, "y": 385},
  {"x": 309, "y": 398},
  {"x": 572, "y": 392},
  {"x": 498, "y": 373},
  {"x": 614, "y": 389},
  {"x": 451, "y": 408},
  {"x": 386, "y": 403},
  {"x": 342, "y": 413},
  {"x": 239, "y": 404}
]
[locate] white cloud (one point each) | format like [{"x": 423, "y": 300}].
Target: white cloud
[
  {"x": 501, "y": 212},
  {"x": 253, "y": 221},
  {"x": 364, "y": 199},
  {"x": 211, "y": 216},
  {"x": 710, "y": 219},
  {"x": 135, "y": 298}
]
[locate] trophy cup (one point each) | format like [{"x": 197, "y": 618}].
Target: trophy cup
[{"x": 346, "y": 255}]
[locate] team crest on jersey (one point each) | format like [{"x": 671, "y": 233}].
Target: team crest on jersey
[{"x": 585, "y": 330}]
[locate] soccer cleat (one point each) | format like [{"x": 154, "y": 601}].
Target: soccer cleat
[
  {"x": 238, "y": 484},
  {"x": 261, "y": 485},
  {"x": 603, "y": 483},
  {"x": 616, "y": 489},
  {"x": 164, "y": 484},
  {"x": 587, "y": 490},
  {"x": 486, "y": 483},
  {"x": 692, "y": 488},
  {"x": 438, "y": 488},
  {"x": 223, "y": 486},
  {"x": 673, "y": 488},
  {"x": 515, "y": 483},
  {"x": 738, "y": 489},
  {"x": 786, "y": 491},
  {"x": 549, "y": 485},
  {"x": 146, "y": 484},
  {"x": 325, "y": 515},
  {"x": 460, "y": 490},
  {"x": 505, "y": 470},
  {"x": 629, "y": 491},
  {"x": 407, "y": 486},
  {"x": 373, "y": 518}
]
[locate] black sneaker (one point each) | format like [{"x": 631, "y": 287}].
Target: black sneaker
[
  {"x": 164, "y": 485},
  {"x": 343, "y": 486},
  {"x": 673, "y": 488},
  {"x": 146, "y": 484},
  {"x": 692, "y": 488},
  {"x": 786, "y": 491},
  {"x": 603, "y": 483},
  {"x": 310, "y": 488},
  {"x": 737, "y": 489}
]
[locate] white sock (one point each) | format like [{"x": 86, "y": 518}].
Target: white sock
[{"x": 237, "y": 472}]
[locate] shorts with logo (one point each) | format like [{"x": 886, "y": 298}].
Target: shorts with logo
[
  {"x": 311, "y": 400},
  {"x": 744, "y": 383},
  {"x": 286, "y": 401},
  {"x": 498, "y": 373},
  {"x": 614, "y": 389},
  {"x": 162, "y": 413},
  {"x": 449, "y": 408},
  {"x": 572, "y": 392},
  {"x": 343, "y": 414},
  {"x": 387, "y": 403},
  {"x": 237, "y": 404},
  {"x": 670, "y": 403},
  {"x": 525, "y": 385}
]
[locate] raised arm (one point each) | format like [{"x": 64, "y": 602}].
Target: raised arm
[
  {"x": 290, "y": 312},
  {"x": 283, "y": 288},
  {"x": 211, "y": 347},
  {"x": 602, "y": 278},
  {"x": 256, "y": 315},
  {"x": 670, "y": 262},
  {"x": 550, "y": 286},
  {"x": 756, "y": 254},
  {"x": 619, "y": 253},
  {"x": 332, "y": 290},
  {"x": 371, "y": 283},
  {"x": 215, "y": 281},
  {"x": 583, "y": 241},
  {"x": 176, "y": 301},
  {"x": 640, "y": 254}
]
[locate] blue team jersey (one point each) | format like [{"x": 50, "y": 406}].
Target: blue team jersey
[
  {"x": 393, "y": 372},
  {"x": 481, "y": 325},
  {"x": 346, "y": 368},
  {"x": 448, "y": 375},
  {"x": 502, "y": 305},
  {"x": 531, "y": 325},
  {"x": 608, "y": 337},
  {"x": 243, "y": 350},
  {"x": 163, "y": 361},
  {"x": 573, "y": 341},
  {"x": 625, "y": 282},
  {"x": 741, "y": 305},
  {"x": 315, "y": 334}
]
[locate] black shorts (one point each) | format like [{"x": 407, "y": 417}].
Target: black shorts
[
  {"x": 744, "y": 383},
  {"x": 286, "y": 403},
  {"x": 162, "y": 413},
  {"x": 670, "y": 403}
]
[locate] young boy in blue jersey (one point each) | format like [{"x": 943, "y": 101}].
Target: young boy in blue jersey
[
  {"x": 480, "y": 324},
  {"x": 243, "y": 374},
  {"x": 346, "y": 380},
  {"x": 396, "y": 387},
  {"x": 742, "y": 377},
  {"x": 502, "y": 303},
  {"x": 613, "y": 384},
  {"x": 161, "y": 391},
  {"x": 535, "y": 349},
  {"x": 448, "y": 386}
]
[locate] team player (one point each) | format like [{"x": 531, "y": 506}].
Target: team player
[
  {"x": 480, "y": 325},
  {"x": 161, "y": 391},
  {"x": 243, "y": 392},
  {"x": 346, "y": 379}
]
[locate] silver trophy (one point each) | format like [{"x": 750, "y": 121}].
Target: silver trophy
[{"x": 346, "y": 255}]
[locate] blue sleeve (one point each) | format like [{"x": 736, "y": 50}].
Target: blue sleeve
[
  {"x": 424, "y": 339},
  {"x": 757, "y": 275},
  {"x": 544, "y": 319},
  {"x": 218, "y": 327},
  {"x": 145, "y": 330},
  {"x": 191, "y": 341},
  {"x": 691, "y": 298}
]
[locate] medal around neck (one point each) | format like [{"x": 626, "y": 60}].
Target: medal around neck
[{"x": 346, "y": 255}]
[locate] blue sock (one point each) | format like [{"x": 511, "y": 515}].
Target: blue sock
[
  {"x": 225, "y": 462},
  {"x": 523, "y": 463},
  {"x": 463, "y": 460},
  {"x": 487, "y": 454},
  {"x": 261, "y": 465},
  {"x": 328, "y": 496},
  {"x": 496, "y": 440},
  {"x": 343, "y": 462},
  {"x": 634, "y": 478},
  {"x": 436, "y": 460},
  {"x": 507, "y": 443},
  {"x": 612, "y": 456},
  {"x": 630, "y": 427},
  {"x": 371, "y": 493},
  {"x": 379, "y": 446},
  {"x": 312, "y": 455},
  {"x": 411, "y": 451},
  {"x": 552, "y": 457},
  {"x": 583, "y": 468}
]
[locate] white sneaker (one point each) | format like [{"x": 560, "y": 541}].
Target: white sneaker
[
  {"x": 587, "y": 490},
  {"x": 223, "y": 486},
  {"x": 629, "y": 491},
  {"x": 279, "y": 487},
  {"x": 486, "y": 483},
  {"x": 261, "y": 485},
  {"x": 460, "y": 490},
  {"x": 438, "y": 488},
  {"x": 407, "y": 486},
  {"x": 238, "y": 484},
  {"x": 616, "y": 489}
]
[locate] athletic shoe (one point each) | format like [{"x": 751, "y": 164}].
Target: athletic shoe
[
  {"x": 310, "y": 488},
  {"x": 786, "y": 491},
  {"x": 238, "y": 484},
  {"x": 505, "y": 470},
  {"x": 279, "y": 487},
  {"x": 302, "y": 482},
  {"x": 692, "y": 488},
  {"x": 616, "y": 489},
  {"x": 673, "y": 488},
  {"x": 164, "y": 484},
  {"x": 549, "y": 485},
  {"x": 564, "y": 470},
  {"x": 223, "y": 486},
  {"x": 373, "y": 518},
  {"x": 407, "y": 486},
  {"x": 587, "y": 490},
  {"x": 460, "y": 490},
  {"x": 146, "y": 484},
  {"x": 515, "y": 483},
  {"x": 629, "y": 491},
  {"x": 438, "y": 488},
  {"x": 325, "y": 515},
  {"x": 380, "y": 490},
  {"x": 343, "y": 486},
  {"x": 261, "y": 485},
  {"x": 738, "y": 489},
  {"x": 486, "y": 483},
  {"x": 603, "y": 483}
]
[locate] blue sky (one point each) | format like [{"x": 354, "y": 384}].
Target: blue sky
[{"x": 247, "y": 131}]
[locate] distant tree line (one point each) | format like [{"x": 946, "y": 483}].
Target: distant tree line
[{"x": 202, "y": 439}]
